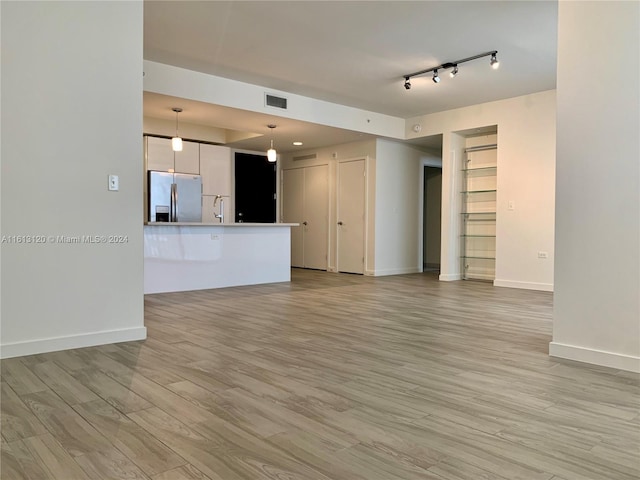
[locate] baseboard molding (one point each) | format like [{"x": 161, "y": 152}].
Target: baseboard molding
[
  {"x": 479, "y": 276},
  {"x": 54, "y": 344},
  {"x": 595, "y": 357},
  {"x": 449, "y": 277},
  {"x": 397, "y": 271},
  {"x": 545, "y": 287}
]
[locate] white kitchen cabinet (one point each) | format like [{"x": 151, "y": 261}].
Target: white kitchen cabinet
[
  {"x": 209, "y": 210},
  {"x": 160, "y": 156},
  {"x": 215, "y": 168}
]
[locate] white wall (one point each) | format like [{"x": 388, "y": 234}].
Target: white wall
[
  {"x": 182, "y": 83},
  {"x": 71, "y": 115},
  {"x": 398, "y": 213},
  {"x": 596, "y": 302},
  {"x": 526, "y": 176}
]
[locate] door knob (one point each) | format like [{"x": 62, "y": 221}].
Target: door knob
[
  {"x": 304, "y": 223},
  {"x": 340, "y": 223}
]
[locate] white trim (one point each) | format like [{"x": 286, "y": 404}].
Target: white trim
[
  {"x": 449, "y": 277},
  {"x": 596, "y": 357},
  {"x": 478, "y": 276},
  {"x": 397, "y": 271},
  {"x": 54, "y": 344},
  {"x": 544, "y": 287}
]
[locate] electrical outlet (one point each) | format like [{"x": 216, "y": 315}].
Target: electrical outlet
[
  {"x": 511, "y": 205},
  {"x": 543, "y": 255}
]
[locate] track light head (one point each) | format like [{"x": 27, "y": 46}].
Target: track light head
[
  {"x": 494, "y": 61},
  {"x": 407, "y": 83},
  {"x": 436, "y": 78},
  {"x": 454, "y": 72}
]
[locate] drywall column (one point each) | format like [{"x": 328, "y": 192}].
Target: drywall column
[
  {"x": 398, "y": 212},
  {"x": 597, "y": 269},
  {"x": 452, "y": 153},
  {"x": 71, "y": 115}
]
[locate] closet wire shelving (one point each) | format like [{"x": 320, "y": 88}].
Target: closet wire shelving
[{"x": 478, "y": 238}]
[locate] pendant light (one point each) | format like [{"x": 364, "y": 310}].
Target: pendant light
[
  {"x": 176, "y": 142},
  {"x": 271, "y": 153}
]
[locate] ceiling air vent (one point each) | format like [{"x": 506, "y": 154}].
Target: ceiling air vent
[
  {"x": 311, "y": 156},
  {"x": 273, "y": 101}
]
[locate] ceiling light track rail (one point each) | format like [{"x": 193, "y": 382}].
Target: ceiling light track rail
[{"x": 452, "y": 65}]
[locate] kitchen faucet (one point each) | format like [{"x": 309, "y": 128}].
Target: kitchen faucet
[{"x": 220, "y": 213}]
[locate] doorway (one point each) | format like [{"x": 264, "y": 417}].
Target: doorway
[
  {"x": 255, "y": 189},
  {"x": 431, "y": 225}
]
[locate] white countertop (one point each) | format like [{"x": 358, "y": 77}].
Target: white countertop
[{"x": 202, "y": 224}]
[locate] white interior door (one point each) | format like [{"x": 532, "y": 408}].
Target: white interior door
[
  {"x": 316, "y": 213},
  {"x": 351, "y": 208},
  {"x": 292, "y": 211}
]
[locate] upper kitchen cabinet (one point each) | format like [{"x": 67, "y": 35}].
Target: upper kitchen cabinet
[
  {"x": 160, "y": 156},
  {"x": 215, "y": 168}
]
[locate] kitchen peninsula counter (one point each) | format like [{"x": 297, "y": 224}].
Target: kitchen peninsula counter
[
  {"x": 202, "y": 224},
  {"x": 181, "y": 256}
]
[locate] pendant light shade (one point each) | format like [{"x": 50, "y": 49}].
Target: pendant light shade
[
  {"x": 272, "y": 155},
  {"x": 176, "y": 142}
]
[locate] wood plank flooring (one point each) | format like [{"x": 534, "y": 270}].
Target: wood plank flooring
[{"x": 331, "y": 376}]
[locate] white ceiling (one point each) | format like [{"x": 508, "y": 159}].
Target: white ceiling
[{"x": 352, "y": 53}]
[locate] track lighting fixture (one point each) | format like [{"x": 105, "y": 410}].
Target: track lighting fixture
[
  {"x": 272, "y": 155},
  {"x": 176, "y": 142},
  {"x": 453, "y": 66},
  {"x": 494, "y": 61}
]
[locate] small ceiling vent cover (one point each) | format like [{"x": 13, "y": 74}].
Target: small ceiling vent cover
[
  {"x": 311, "y": 156},
  {"x": 273, "y": 101}
]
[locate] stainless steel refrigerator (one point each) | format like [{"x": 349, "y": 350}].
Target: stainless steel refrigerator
[{"x": 175, "y": 197}]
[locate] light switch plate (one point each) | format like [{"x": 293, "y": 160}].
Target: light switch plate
[{"x": 114, "y": 183}]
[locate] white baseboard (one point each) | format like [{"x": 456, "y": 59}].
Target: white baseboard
[
  {"x": 449, "y": 277},
  {"x": 545, "y": 287},
  {"x": 480, "y": 276},
  {"x": 397, "y": 271},
  {"x": 54, "y": 344},
  {"x": 596, "y": 357}
]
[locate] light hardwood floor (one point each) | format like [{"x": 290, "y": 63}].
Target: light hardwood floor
[{"x": 332, "y": 376}]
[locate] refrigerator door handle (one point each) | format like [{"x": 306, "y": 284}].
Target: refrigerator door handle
[{"x": 174, "y": 202}]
